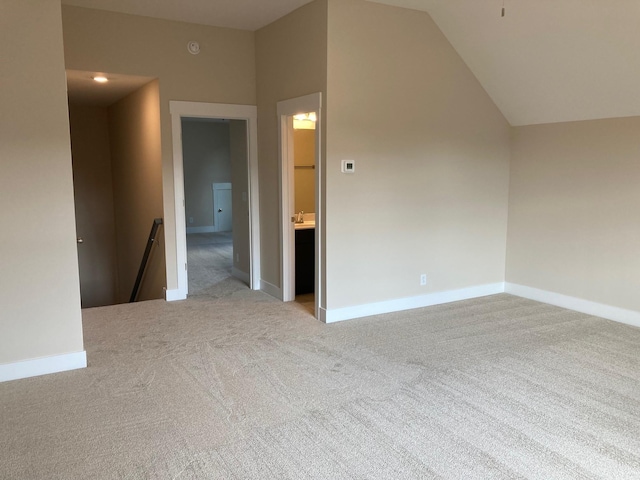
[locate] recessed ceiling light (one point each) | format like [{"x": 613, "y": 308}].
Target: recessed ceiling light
[{"x": 101, "y": 79}]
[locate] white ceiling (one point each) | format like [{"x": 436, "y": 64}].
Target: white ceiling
[{"x": 546, "y": 61}]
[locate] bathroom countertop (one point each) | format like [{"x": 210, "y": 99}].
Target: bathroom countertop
[{"x": 305, "y": 225}]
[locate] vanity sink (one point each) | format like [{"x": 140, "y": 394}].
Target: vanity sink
[
  {"x": 309, "y": 221},
  {"x": 305, "y": 225}
]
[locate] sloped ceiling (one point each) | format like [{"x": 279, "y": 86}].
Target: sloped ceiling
[{"x": 546, "y": 61}]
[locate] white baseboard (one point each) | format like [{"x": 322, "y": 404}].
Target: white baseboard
[
  {"x": 430, "y": 299},
  {"x": 630, "y": 317},
  {"x": 42, "y": 366},
  {"x": 208, "y": 229},
  {"x": 240, "y": 275},
  {"x": 174, "y": 295},
  {"x": 271, "y": 289}
]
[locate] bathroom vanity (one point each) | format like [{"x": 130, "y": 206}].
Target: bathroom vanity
[{"x": 305, "y": 257}]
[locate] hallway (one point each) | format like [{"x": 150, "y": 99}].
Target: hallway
[{"x": 210, "y": 260}]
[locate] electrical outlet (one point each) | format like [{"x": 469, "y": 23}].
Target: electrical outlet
[
  {"x": 423, "y": 279},
  {"x": 237, "y": 257}
]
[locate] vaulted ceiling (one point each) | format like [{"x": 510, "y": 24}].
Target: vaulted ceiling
[{"x": 545, "y": 61}]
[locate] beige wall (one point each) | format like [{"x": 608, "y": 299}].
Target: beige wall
[
  {"x": 39, "y": 289},
  {"x": 432, "y": 150},
  {"x": 573, "y": 222},
  {"x": 134, "y": 131},
  {"x": 223, "y": 72},
  {"x": 206, "y": 160},
  {"x": 304, "y": 154},
  {"x": 286, "y": 68},
  {"x": 240, "y": 194},
  {"x": 93, "y": 195},
  {"x": 429, "y": 195}
]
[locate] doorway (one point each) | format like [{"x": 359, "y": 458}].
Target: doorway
[
  {"x": 212, "y": 164},
  {"x": 239, "y": 246},
  {"x": 295, "y": 223}
]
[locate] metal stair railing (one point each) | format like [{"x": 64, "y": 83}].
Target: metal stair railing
[{"x": 145, "y": 258}]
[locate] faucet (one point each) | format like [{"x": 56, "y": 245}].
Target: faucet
[{"x": 300, "y": 217}]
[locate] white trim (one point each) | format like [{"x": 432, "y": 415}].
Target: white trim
[
  {"x": 214, "y": 110},
  {"x": 179, "y": 214},
  {"x": 210, "y": 229},
  {"x": 285, "y": 109},
  {"x": 174, "y": 295},
  {"x": 271, "y": 289},
  {"x": 43, "y": 366},
  {"x": 630, "y": 317},
  {"x": 400, "y": 304},
  {"x": 240, "y": 275},
  {"x": 287, "y": 207}
]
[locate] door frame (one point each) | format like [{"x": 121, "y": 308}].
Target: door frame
[
  {"x": 249, "y": 113},
  {"x": 286, "y": 109}
]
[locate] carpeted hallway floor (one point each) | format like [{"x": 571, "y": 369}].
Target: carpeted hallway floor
[
  {"x": 210, "y": 260},
  {"x": 237, "y": 385}
]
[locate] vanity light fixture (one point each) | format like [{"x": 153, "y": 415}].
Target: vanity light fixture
[
  {"x": 100, "y": 79},
  {"x": 311, "y": 117},
  {"x": 305, "y": 121}
]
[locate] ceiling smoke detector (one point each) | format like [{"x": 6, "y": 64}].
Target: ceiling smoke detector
[{"x": 193, "y": 47}]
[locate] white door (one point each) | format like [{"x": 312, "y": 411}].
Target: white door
[
  {"x": 95, "y": 225},
  {"x": 222, "y": 211}
]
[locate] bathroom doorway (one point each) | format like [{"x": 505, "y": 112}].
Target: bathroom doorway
[
  {"x": 304, "y": 164},
  {"x": 301, "y": 202}
]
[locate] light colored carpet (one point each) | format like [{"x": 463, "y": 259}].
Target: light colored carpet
[
  {"x": 241, "y": 386},
  {"x": 210, "y": 260}
]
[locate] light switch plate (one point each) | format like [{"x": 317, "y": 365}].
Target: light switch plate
[{"x": 348, "y": 166}]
